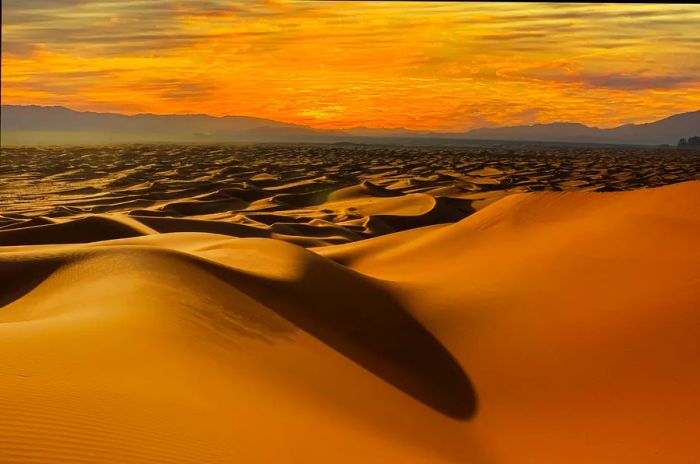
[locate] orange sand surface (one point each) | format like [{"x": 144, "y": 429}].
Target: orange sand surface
[{"x": 547, "y": 327}]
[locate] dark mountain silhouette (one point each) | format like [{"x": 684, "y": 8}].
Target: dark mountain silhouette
[
  {"x": 559, "y": 131},
  {"x": 55, "y": 124},
  {"x": 664, "y": 131},
  {"x": 667, "y": 130}
]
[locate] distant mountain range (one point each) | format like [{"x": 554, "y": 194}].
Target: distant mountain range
[{"x": 56, "y": 124}]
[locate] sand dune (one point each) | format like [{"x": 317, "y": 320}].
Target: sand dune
[
  {"x": 546, "y": 327},
  {"x": 307, "y": 195}
]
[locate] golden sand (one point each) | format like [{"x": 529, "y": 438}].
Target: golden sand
[
  {"x": 545, "y": 328},
  {"x": 308, "y": 195}
]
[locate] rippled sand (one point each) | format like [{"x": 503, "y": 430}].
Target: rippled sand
[
  {"x": 441, "y": 309},
  {"x": 308, "y": 195}
]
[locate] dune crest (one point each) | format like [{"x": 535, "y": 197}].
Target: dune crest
[
  {"x": 546, "y": 327},
  {"x": 307, "y": 195}
]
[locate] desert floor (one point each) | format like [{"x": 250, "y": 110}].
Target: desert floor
[{"x": 299, "y": 303}]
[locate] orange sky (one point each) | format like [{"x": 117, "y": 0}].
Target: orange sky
[{"x": 440, "y": 66}]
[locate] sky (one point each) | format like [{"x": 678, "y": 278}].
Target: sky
[{"x": 424, "y": 66}]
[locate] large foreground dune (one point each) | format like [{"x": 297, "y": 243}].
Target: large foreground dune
[{"x": 547, "y": 327}]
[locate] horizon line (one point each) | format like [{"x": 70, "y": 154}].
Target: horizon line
[{"x": 345, "y": 129}]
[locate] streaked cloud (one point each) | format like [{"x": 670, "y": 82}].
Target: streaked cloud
[{"x": 447, "y": 66}]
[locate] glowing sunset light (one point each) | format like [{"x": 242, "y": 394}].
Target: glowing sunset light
[{"x": 437, "y": 66}]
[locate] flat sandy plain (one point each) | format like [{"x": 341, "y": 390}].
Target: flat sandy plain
[{"x": 298, "y": 303}]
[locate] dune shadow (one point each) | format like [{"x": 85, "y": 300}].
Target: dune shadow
[
  {"x": 19, "y": 278},
  {"x": 82, "y": 230},
  {"x": 355, "y": 315},
  {"x": 359, "y": 318}
]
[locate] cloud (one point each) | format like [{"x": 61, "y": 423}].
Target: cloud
[
  {"x": 638, "y": 82},
  {"x": 22, "y": 49},
  {"x": 420, "y": 65},
  {"x": 572, "y": 73}
]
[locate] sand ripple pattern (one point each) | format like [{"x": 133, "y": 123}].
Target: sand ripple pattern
[
  {"x": 310, "y": 195},
  {"x": 547, "y": 327}
]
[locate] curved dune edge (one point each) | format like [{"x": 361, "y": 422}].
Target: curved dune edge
[
  {"x": 574, "y": 316},
  {"x": 309, "y": 213},
  {"x": 356, "y": 217}
]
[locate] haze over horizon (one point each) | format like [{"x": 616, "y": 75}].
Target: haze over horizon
[
  {"x": 437, "y": 66},
  {"x": 369, "y": 126},
  {"x": 31, "y": 124},
  {"x": 351, "y": 128}
]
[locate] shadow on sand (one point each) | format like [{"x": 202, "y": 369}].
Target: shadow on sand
[
  {"x": 358, "y": 317},
  {"x": 351, "y": 313}
]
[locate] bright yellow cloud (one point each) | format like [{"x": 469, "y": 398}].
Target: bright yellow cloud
[{"x": 445, "y": 66}]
